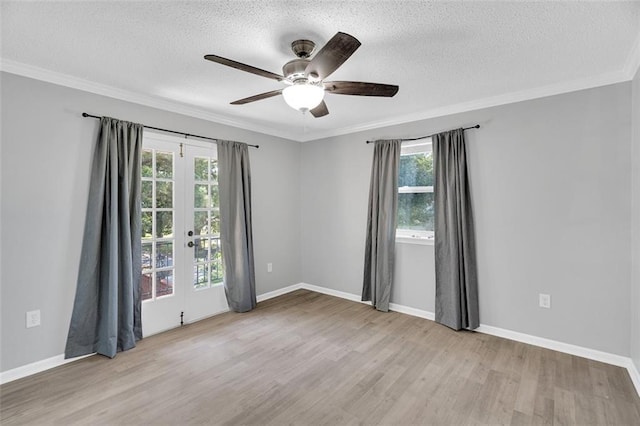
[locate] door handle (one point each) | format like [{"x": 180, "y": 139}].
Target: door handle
[{"x": 190, "y": 244}]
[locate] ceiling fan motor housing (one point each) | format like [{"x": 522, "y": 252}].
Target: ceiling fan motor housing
[
  {"x": 303, "y": 48},
  {"x": 295, "y": 69}
]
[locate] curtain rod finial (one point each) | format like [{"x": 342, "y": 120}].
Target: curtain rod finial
[{"x": 84, "y": 114}]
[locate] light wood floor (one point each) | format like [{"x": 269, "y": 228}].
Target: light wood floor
[{"x": 308, "y": 358}]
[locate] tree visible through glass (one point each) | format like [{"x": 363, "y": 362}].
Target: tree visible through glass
[{"x": 415, "y": 198}]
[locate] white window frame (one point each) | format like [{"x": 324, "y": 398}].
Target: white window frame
[{"x": 412, "y": 236}]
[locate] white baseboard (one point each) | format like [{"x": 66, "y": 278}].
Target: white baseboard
[
  {"x": 593, "y": 354},
  {"x": 632, "y": 368},
  {"x": 279, "y": 292},
  {"x": 588, "y": 353},
  {"x": 355, "y": 298},
  {"x": 36, "y": 367},
  {"x": 58, "y": 360},
  {"x": 412, "y": 311},
  {"x": 332, "y": 292},
  {"x": 608, "y": 358}
]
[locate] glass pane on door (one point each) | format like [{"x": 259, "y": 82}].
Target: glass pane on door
[
  {"x": 207, "y": 259},
  {"x": 158, "y": 227}
]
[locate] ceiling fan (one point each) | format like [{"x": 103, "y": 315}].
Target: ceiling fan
[{"x": 305, "y": 77}]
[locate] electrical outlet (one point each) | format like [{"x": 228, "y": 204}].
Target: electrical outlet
[
  {"x": 269, "y": 267},
  {"x": 545, "y": 301},
  {"x": 33, "y": 318}
]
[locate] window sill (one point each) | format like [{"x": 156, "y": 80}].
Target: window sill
[{"x": 424, "y": 241}]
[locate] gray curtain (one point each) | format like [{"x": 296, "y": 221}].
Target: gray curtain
[
  {"x": 234, "y": 182},
  {"x": 381, "y": 224},
  {"x": 456, "y": 274},
  {"x": 107, "y": 306}
]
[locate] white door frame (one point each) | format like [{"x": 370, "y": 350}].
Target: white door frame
[{"x": 165, "y": 312}]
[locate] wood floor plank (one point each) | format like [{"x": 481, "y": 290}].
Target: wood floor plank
[{"x": 311, "y": 359}]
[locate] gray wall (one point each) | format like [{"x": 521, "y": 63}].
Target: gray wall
[
  {"x": 551, "y": 188},
  {"x": 46, "y": 154},
  {"x": 550, "y": 182},
  {"x": 635, "y": 253}
]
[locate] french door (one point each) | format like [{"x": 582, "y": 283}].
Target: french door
[{"x": 182, "y": 272}]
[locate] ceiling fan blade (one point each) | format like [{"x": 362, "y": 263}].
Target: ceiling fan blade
[
  {"x": 332, "y": 55},
  {"x": 320, "y": 111},
  {"x": 360, "y": 88},
  {"x": 243, "y": 67},
  {"x": 257, "y": 97}
]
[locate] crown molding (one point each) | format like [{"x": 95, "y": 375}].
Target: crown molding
[
  {"x": 507, "y": 98},
  {"x": 67, "y": 80},
  {"x": 626, "y": 74}
]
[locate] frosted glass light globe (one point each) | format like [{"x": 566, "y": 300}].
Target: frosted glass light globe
[{"x": 303, "y": 96}]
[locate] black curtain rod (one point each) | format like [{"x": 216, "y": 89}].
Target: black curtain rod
[
  {"x": 477, "y": 126},
  {"x": 84, "y": 114}
]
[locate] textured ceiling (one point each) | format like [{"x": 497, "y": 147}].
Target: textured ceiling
[{"x": 441, "y": 54}]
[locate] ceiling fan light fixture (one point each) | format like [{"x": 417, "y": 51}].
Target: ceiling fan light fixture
[
  {"x": 306, "y": 78},
  {"x": 303, "y": 96}
]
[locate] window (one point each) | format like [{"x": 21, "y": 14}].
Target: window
[{"x": 415, "y": 191}]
